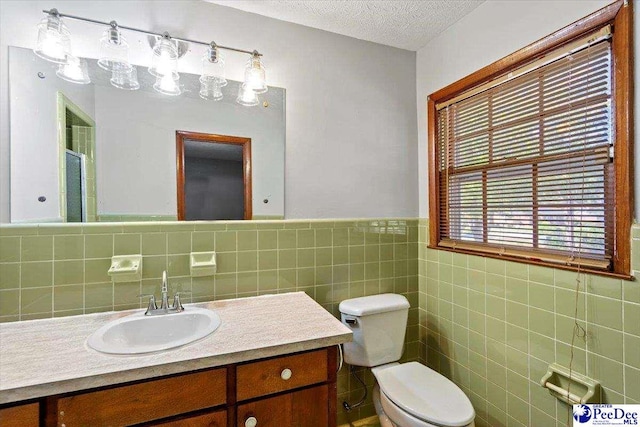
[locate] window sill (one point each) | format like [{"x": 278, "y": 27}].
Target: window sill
[{"x": 538, "y": 263}]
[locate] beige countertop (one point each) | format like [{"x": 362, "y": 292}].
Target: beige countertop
[{"x": 50, "y": 356}]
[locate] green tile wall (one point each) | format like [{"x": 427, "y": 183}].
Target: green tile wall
[
  {"x": 61, "y": 270},
  {"x": 493, "y": 327}
]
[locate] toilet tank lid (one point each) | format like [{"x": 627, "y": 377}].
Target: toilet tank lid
[{"x": 374, "y": 304}]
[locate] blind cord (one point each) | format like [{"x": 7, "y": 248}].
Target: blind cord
[{"x": 578, "y": 330}]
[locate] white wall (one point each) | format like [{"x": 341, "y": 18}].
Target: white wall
[
  {"x": 351, "y": 126},
  {"x": 493, "y": 30},
  {"x": 34, "y": 122}
]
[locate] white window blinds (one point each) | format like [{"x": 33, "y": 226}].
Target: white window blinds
[{"x": 525, "y": 166}]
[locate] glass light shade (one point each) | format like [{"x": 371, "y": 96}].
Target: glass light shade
[
  {"x": 74, "y": 70},
  {"x": 54, "y": 40},
  {"x": 247, "y": 96},
  {"x": 165, "y": 59},
  {"x": 125, "y": 79},
  {"x": 114, "y": 51},
  {"x": 255, "y": 76},
  {"x": 213, "y": 65},
  {"x": 167, "y": 85},
  {"x": 210, "y": 89}
]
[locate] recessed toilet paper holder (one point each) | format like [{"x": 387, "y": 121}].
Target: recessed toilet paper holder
[{"x": 572, "y": 388}]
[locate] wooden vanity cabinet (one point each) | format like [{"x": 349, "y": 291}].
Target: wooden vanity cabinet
[
  {"x": 297, "y": 390},
  {"x": 306, "y": 408},
  {"x": 20, "y": 415},
  {"x": 138, "y": 403}
]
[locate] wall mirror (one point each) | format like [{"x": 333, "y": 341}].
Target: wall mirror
[{"x": 94, "y": 152}]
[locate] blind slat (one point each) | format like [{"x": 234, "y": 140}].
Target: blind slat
[{"x": 525, "y": 165}]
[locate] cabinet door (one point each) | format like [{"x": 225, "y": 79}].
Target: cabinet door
[
  {"x": 214, "y": 419},
  {"x": 20, "y": 416},
  {"x": 271, "y": 376},
  {"x": 304, "y": 408},
  {"x": 144, "y": 402}
]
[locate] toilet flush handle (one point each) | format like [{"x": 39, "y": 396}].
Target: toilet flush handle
[{"x": 351, "y": 321}]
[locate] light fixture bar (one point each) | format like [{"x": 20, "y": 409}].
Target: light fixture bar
[{"x": 151, "y": 33}]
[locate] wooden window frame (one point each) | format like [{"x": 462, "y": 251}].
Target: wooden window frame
[
  {"x": 181, "y": 136},
  {"x": 620, "y": 15}
]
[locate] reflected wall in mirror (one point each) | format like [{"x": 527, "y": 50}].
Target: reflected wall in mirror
[{"x": 94, "y": 152}]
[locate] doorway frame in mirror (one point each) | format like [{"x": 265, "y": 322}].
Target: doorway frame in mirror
[
  {"x": 64, "y": 104},
  {"x": 181, "y": 136}
]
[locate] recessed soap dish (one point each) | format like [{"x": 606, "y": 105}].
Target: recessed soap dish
[
  {"x": 126, "y": 268},
  {"x": 203, "y": 263}
]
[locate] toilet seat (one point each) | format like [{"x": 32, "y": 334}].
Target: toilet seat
[{"x": 424, "y": 395}]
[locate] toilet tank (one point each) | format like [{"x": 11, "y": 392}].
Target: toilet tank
[{"x": 378, "y": 323}]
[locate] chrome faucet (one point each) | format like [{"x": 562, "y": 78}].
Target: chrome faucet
[
  {"x": 165, "y": 308},
  {"x": 164, "y": 305}
]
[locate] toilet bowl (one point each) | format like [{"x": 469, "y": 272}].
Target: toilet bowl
[
  {"x": 408, "y": 394},
  {"x": 412, "y": 395}
]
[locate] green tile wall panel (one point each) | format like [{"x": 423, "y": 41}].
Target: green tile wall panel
[
  {"x": 493, "y": 327},
  {"x": 61, "y": 269}
]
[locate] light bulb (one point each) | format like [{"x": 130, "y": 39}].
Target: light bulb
[
  {"x": 54, "y": 40},
  {"x": 167, "y": 85},
  {"x": 164, "y": 63},
  {"x": 74, "y": 71},
  {"x": 247, "y": 96},
  {"x": 165, "y": 58},
  {"x": 255, "y": 75}
]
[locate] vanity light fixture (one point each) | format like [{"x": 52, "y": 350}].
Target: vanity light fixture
[
  {"x": 164, "y": 65},
  {"x": 167, "y": 85},
  {"x": 125, "y": 79},
  {"x": 54, "y": 39},
  {"x": 210, "y": 89},
  {"x": 255, "y": 75},
  {"x": 114, "y": 50},
  {"x": 247, "y": 96},
  {"x": 213, "y": 65},
  {"x": 212, "y": 79},
  {"x": 74, "y": 70},
  {"x": 54, "y": 44},
  {"x": 164, "y": 60}
]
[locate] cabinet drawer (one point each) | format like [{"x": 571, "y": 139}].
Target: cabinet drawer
[
  {"x": 20, "y": 416},
  {"x": 214, "y": 419},
  {"x": 303, "y": 408},
  {"x": 280, "y": 374},
  {"x": 147, "y": 401}
]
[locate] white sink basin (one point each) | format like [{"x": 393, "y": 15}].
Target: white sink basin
[{"x": 138, "y": 333}]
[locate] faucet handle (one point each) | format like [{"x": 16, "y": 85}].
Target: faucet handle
[
  {"x": 177, "y": 304},
  {"x": 152, "y": 301}
]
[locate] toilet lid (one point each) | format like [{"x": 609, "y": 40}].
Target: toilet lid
[{"x": 426, "y": 394}]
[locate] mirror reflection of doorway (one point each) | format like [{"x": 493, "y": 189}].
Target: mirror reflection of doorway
[
  {"x": 76, "y": 187},
  {"x": 76, "y": 140},
  {"x": 214, "y": 177}
]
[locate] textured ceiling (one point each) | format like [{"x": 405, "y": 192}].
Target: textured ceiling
[{"x": 404, "y": 24}]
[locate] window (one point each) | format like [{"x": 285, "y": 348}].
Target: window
[{"x": 532, "y": 161}]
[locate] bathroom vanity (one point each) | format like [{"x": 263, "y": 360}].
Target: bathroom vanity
[{"x": 272, "y": 362}]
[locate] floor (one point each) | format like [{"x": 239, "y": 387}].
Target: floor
[{"x": 365, "y": 422}]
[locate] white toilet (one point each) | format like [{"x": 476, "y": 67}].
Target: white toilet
[{"x": 407, "y": 394}]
